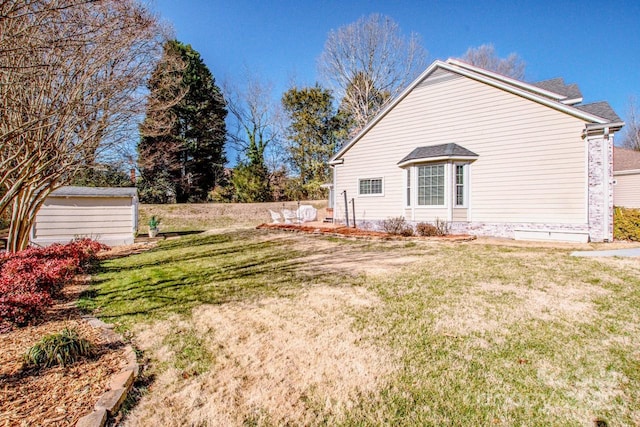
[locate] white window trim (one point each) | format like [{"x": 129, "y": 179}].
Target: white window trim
[
  {"x": 449, "y": 186},
  {"x": 381, "y": 194},
  {"x": 465, "y": 186},
  {"x": 408, "y": 175}
]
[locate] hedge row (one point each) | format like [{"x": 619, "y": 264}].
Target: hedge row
[
  {"x": 626, "y": 224},
  {"x": 29, "y": 279}
]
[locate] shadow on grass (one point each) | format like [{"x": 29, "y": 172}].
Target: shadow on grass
[{"x": 214, "y": 269}]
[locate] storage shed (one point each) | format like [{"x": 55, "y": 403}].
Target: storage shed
[{"x": 109, "y": 215}]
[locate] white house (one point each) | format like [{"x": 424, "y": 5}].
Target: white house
[
  {"x": 626, "y": 172},
  {"x": 109, "y": 215},
  {"x": 489, "y": 154}
]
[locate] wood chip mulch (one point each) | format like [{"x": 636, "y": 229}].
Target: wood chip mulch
[
  {"x": 57, "y": 396},
  {"x": 357, "y": 232}
]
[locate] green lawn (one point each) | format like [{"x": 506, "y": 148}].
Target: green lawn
[{"x": 377, "y": 333}]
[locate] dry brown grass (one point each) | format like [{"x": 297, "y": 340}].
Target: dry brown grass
[
  {"x": 278, "y": 361},
  {"x": 209, "y": 216},
  {"x": 420, "y": 333}
]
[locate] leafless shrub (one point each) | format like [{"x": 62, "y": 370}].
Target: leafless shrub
[
  {"x": 425, "y": 229},
  {"x": 442, "y": 227},
  {"x": 397, "y": 226}
]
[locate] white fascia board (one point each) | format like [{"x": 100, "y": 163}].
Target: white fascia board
[
  {"x": 436, "y": 159},
  {"x": 492, "y": 79},
  {"x": 572, "y": 101},
  {"x": 613, "y": 126},
  {"x": 518, "y": 83}
]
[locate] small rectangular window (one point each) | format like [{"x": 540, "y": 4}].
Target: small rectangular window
[
  {"x": 460, "y": 185},
  {"x": 370, "y": 186}
]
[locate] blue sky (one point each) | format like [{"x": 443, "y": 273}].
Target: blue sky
[{"x": 595, "y": 44}]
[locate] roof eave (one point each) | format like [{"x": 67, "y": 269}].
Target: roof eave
[
  {"x": 626, "y": 172},
  {"x": 435, "y": 159},
  {"x": 514, "y": 82},
  {"x": 613, "y": 126}
]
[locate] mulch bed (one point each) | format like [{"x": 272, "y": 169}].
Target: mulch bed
[
  {"x": 359, "y": 233},
  {"x": 57, "y": 396}
]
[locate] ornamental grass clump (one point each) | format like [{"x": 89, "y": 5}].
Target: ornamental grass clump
[{"x": 63, "y": 348}]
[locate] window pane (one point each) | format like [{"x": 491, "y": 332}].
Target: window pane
[
  {"x": 459, "y": 185},
  {"x": 431, "y": 185},
  {"x": 370, "y": 186}
]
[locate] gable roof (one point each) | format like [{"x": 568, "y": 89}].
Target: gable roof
[
  {"x": 441, "y": 151},
  {"x": 529, "y": 91},
  {"x": 73, "y": 191},
  {"x": 625, "y": 159}
]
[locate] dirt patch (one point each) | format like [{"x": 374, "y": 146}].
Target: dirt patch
[
  {"x": 55, "y": 396},
  {"x": 278, "y": 361},
  {"x": 349, "y": 259}
]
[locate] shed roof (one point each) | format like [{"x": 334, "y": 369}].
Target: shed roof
[
  {"x": 450, "y": 150},
  {"x": 69, "y": 190},
  {"x": 625, "y": 159}
]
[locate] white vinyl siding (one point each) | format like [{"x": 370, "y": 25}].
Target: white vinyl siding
[
  {"x": 61, "y": 219},
  {"x": 531, "y": 164},
  {"x": 626, "y": 192},
  {"x": 459, "y": 214}
]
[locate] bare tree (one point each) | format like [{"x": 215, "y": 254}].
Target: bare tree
[
  {"x": 256, "y": 118},
  {"x": 632, "y": 134},
  {"x": 71, "y": 73},
  {"x": 485, "y": 56},
  {"x": 367, "y": 63}
]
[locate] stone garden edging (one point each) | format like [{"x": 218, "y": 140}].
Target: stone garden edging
[{"x": 119, "y": 384}]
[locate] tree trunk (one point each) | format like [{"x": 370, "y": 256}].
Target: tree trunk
[{"x": 23, "y": 215}]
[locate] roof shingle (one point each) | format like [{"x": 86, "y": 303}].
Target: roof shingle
[
  {"x": 442, "y": 150},
  {"x": 95, "y": 191},
  {"x": 600, "y": 109},
  {"x": 558, "y": 86}
]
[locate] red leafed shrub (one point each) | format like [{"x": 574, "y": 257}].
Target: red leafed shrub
[
  {"x": 20, "y": 306},
  {"x": 28, "y": 279}
]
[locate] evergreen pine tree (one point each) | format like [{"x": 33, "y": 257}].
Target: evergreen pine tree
[{"x": 181, "y": 152}]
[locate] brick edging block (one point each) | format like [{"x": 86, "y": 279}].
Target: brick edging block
[{"x": 119, "y": 384}]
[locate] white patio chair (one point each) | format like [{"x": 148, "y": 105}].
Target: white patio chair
[
  {"x": 275, "y": 217},
  {"x": 290, "y": 217}
]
